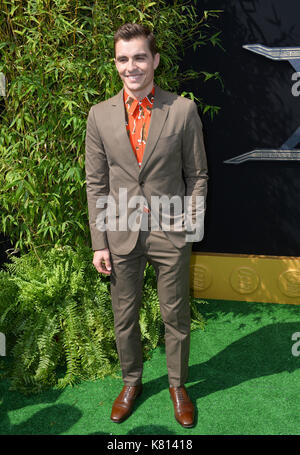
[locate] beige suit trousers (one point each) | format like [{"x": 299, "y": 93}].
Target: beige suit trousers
[{"x": 172, "y": 267}]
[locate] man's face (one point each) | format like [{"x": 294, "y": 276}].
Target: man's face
[{"x": 136, "y": 65}]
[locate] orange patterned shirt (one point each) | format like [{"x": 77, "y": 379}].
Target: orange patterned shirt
[{"x": 138, "y": 115}]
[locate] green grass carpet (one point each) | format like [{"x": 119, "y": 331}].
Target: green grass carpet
[{"x": 243, "y": 379}]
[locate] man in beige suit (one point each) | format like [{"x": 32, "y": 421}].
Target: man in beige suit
[{"x": 144, "y": 146}]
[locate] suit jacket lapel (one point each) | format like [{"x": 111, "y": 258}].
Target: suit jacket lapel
[
  {"x": 158, "y": 117},
  {"x": 119, "y": 130}
]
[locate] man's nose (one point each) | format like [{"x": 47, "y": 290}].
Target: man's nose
[{"x": 131, "y": 65}]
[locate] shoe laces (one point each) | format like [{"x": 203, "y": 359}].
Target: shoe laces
[
  {"x": 179, "y": 394},
  {"x": 129, "y": 392}
]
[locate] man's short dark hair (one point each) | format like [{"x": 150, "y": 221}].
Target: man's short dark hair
[{"x": 129, "y": 31}]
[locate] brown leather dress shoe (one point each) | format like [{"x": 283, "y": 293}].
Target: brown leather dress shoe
[
  {"x": 183, "y": 407},
  {"x": 123, "y": 404}
]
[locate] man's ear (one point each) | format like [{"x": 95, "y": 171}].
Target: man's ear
[{"x": 156, "y": 60}]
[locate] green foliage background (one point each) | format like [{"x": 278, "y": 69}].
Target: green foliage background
[{"x": 57, "y": 56}]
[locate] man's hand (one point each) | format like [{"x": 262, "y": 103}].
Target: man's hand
[{"x": 101, "y": 261}]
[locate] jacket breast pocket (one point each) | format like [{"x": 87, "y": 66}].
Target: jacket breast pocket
[
  {"x": 169, "y": 147},
  {"x": 169, "y": 143},
  {"x": 171, "y": 137}
]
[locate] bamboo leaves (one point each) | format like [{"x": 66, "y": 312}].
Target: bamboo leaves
[{"x": 58, "y": 62}]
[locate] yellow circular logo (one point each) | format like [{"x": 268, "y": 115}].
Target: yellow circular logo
[
  {"x": 289, "y": 283},
  {"x": 201, "y": 277},
  {"x": 244, "y": 280}
]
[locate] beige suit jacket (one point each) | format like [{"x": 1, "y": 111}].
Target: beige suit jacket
[{"x": 174, "y": 163}]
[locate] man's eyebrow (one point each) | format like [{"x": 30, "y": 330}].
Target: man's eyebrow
[{"x": 142, "y": 54}]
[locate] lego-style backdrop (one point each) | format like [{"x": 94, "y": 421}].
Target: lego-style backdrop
[
  {"x": 251, "y": 246},
  {"x": 254, "y": 200}
]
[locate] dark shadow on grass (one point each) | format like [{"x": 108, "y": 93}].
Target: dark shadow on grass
[
  {"x": 150, "y": 429},
  {"x": 213, "y": 309},
  {"x": 54, "y": 419},
  {"x": 142, "y": 430},
  {"x": 264, "y": 352}
]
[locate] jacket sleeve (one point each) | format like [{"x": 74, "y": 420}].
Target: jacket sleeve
[
  {"x": 195, "y": 173},
  {"x": 97, "y": 180}
]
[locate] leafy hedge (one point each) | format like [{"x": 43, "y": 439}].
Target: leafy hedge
[{"x": 58, "y": 61}]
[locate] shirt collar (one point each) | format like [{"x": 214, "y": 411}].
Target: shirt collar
[{"x": 131, "y": 103}]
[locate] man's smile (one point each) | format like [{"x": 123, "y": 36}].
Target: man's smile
[{"x": 134, "y": 77}]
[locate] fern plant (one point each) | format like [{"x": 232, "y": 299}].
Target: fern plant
[{"x": 56, "y": 314}]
